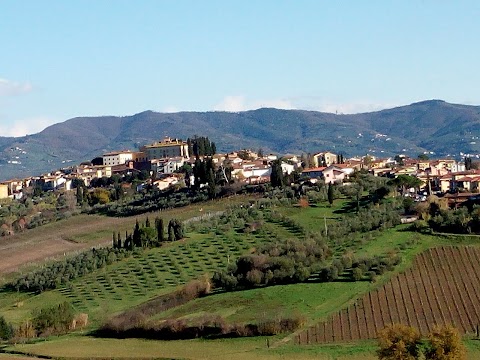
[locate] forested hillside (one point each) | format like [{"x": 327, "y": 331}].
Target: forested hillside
[{"x": 437, "y": 126}]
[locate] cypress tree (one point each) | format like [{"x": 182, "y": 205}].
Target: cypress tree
[
  {"x": 171, "y": 232},
  {"x": 276, "y": 176},
  {"x": 330, "y": 193},
  {"x": 136, "y": 235},
  {"x": 114, "y": 240},
  {"x": 211, "y": 184},
  {"x": 79, "y": 195}
]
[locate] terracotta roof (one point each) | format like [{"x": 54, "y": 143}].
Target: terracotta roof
[{"x": 314, "y": 169}]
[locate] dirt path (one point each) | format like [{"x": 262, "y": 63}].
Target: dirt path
[{"x": 86, "y": 231}]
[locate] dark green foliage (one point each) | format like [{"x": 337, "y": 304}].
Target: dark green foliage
[
  {"x": 137, "y": 241},
  {"x": 6, "y": 329},
  {"x": 357, "y": 274},
  {"x": 281, "y": 262},
  {"x": 459, "y": 221},
  {"x": 212, "y": 188},
  {"x": 175, "y": 230},
  {"x": 330, "y": 193},
  {"x": 53, "y": 320},
  {"x": 152, "y": 201},
  {"x": 148, "y": 236},
  {"x": 201, "y": 146},
  {"x": 79, "y": 195},
  {"x": 276, "y": 176},
  {"x": 160, "y": 230}
]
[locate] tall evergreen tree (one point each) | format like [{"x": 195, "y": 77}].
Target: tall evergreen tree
[
  {"x": 136, "y": 235},
  {"x": 160, "y": 231},
  {"x": 211, "y": 184},
  {"x": 276, "y": 176},
  {"x": 330, "y": 193},
  {"x": 80, "y": 195},
  {"x": 171, "y": 232}
]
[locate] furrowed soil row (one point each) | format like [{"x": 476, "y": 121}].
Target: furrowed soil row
[
  {"x": 442, "y": 287},
  {"x": 453, "y": 291},
  {"x": 472, "y": 257},
  {"x": 462, "y": 283},
  {"x": 430, "y": 282}
]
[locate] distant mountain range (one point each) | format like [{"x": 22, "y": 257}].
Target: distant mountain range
[{"x": 428, "y": 126}]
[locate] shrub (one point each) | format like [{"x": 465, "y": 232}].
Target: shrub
[
  {"x": 53, "y": 320},
  {"x": 357, "y": 274}
]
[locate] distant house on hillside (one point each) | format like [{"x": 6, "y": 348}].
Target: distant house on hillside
[
  {"x": 314, "y": 173},
  {"x": 324, "y": 158},
  {"x": 117, "y": 157},
  {"x": 337, "y": 173}
]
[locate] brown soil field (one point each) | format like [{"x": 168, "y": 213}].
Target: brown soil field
[
  {"x": 442, "y": 287},
  {"x": 82, "y": 232}
]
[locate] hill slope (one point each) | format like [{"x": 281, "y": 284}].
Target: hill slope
[{"x": 425, "y": 126}]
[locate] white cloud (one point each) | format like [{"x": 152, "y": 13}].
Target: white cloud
[
  {"x": 11, "y": 88},
  {"x": 240, "y": 103},
  {"x": 26, "y": 126}
]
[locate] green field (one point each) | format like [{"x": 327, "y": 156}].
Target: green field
[
  {"x": 84, "y": 347},
  {"x": 153, "y": 272}
]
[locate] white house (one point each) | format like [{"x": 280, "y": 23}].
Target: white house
[
  {"x": 117, "y": 157},
  {"x": 167, "y": 166}
]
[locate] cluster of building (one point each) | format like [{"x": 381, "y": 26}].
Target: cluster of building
[{"x": 165, "y": 158}]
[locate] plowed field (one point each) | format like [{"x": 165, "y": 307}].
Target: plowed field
[{"x": 442, "y": 287}]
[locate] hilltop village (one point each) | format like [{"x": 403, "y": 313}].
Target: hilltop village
[{"x": 169, "y": 162}]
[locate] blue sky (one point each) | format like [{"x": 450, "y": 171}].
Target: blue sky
[{"x": 61, "y": 59}]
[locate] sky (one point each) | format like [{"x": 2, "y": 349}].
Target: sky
[{"x": 63, "y": 59}]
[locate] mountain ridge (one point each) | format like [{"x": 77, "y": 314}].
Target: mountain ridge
[{"x": 426, "y": 126}]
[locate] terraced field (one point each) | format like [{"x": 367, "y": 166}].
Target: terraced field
[
  {"x": 152, "y": 272},
  {"x": 442, "y": 287}
]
